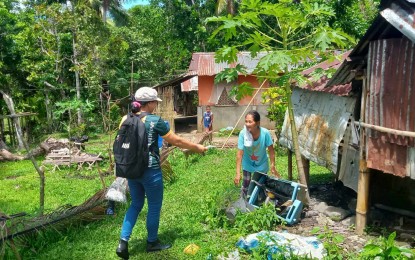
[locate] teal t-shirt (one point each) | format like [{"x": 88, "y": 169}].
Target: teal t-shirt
[
  {"x": 255, "y": 158},
  {"x": 155, "y": 126}
]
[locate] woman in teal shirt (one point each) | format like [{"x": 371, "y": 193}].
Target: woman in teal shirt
[{"x": 253, "y": 142}]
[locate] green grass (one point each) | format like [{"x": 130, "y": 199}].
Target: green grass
[{"x": 202, "y": 184}]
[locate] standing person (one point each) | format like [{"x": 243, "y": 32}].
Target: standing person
[
  {"x": 207, "y": 122},
  {"x": 253, "y": 142},
  {"x": 150, "y": 185}
]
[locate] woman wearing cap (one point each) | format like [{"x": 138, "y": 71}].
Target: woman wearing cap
[{"x": 150, "y": 185}]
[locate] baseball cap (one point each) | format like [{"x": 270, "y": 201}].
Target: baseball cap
[{"x": 146, "y": 94}]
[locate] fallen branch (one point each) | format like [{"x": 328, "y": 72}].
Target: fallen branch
[{"x": 8, "y": 156}]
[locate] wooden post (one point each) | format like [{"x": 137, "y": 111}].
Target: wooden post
[
  {"x": 364, "y": 173},
  {"x": 306, "y": 167},
  {"x": 362, "y": 197},
  {"x": 11, "y": 132},
  {"x": 290, "y": 165},
  {"x": 2, "y": 130}
]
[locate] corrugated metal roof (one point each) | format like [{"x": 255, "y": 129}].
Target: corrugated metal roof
[
  {"x": 321, "y": 120},
  {"x": 321, "y": 84},
  {"x": 397, "y": 18},
  {"x": 190, "y": 85},
  {"x": 203, "y": 63},
  {"x": 402, "y": 18},
  {"x": 177, "y": 80}
]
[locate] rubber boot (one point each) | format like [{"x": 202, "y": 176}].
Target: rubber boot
[
  {"x": 157, "y": 246},
  {"x": 122, "y": 249}
]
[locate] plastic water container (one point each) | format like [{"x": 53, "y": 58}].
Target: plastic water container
[
  {"x": 293, "y": 213},
  {"x": 160, "y": 140}
]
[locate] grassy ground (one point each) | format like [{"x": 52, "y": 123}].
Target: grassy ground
[{"x": 200, "y": 190}]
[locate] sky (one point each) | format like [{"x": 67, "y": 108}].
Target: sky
[{"x": 130, "y": 3}]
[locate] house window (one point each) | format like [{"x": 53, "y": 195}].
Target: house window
[
  {"x": 220, "y": 94},
  {"x": 225, "y": 100}
]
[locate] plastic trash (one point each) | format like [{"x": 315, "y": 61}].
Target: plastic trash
[
  {"x": 117, "y": 190},
  {"x": 191, "y": 249},
  {"x": 283, "y": 242}
]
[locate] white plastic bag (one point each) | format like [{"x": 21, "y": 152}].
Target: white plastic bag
[
  {"x": 248, "y": 139},
  {"x": 117, "y": 190}
]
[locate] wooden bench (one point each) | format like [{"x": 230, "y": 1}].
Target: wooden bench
[{"x": 57, "y": 160}]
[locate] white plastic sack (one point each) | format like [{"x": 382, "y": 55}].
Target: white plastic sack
[
  {"x": 248, "y": 139},
  {"x": 284, "y": 242},
  {"x": 117, "y": 190}
]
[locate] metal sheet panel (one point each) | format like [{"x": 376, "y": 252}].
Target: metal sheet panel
[
  {"x": 203, "y": 63},
  {"x": 321, "y": 120},
  {"x": 411, "y": 162},
  {"x": 390, "y": 103},
  {"x": 190, "y": 85},
  {"x": 402, "y": 18},
  {"x": 350, "y": 175},
  {"x": 349, "y": 165}
]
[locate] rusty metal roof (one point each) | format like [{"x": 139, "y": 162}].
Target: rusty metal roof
[
  {"x": 396, "y": 19},
  {"x": 321, "y": 120},
  {"x": 176, "y": 80},
  {"x": 321, "y": 84},
  {"x": 203, "y": 63}
]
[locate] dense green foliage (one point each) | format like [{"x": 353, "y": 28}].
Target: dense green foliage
[{"x": 56, "y": 57}]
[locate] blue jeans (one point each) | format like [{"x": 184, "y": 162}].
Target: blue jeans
[{"x": 150, "y": 185}]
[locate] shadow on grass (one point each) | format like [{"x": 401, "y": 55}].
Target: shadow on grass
[{"x": 138, "y": 245}]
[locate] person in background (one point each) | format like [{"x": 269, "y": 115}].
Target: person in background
[
  {"x": 253, "y": 142},
  {"x": 150, "y": 185},
  {"x": 135, "y": 108},
  {"x": 207, "y": 122}
]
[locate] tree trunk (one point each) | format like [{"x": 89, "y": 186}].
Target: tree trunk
[
  {"x": 49, "y": 114},
  {"x": 77, "y": 80},
  {"x": 104, "y": 10},
  {"x": 8, "y": 156},
  {"x": 296, "y": 146},
  {"x": 41, "y": 176},
  {"x": 3, "y": 145},
  {"x": 10, "y": 106},
  {"x": 230, "y": 7}
]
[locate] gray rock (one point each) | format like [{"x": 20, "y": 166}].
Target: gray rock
[
  {"x": 239, "y": 205},
  {"x": 349, "y": 221},
  {"x": 311, "y": 213},
  {"x": 321, "y": 207},
  {"x": 336, "y": 214},
  {"x": 406, "y": 236}
]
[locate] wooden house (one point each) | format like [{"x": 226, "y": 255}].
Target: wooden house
[{"x": 369, "y": 116}]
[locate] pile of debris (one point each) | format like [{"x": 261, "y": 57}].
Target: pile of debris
[{"x": 66, "y": 153}]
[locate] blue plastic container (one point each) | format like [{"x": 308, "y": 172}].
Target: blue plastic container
[
  {"x": 160, "y": 140},
  {"x": 292, "y": 213}
]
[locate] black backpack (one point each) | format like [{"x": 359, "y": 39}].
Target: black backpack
[{"x": 130, "y": 148}]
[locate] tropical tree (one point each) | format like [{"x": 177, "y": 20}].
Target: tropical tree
[
  {"x": 293, "y": 35},
  {"x": 354, "y": 16},
  {"x": 228, "y": 5},
  {"x": 11, "y": 78}
]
